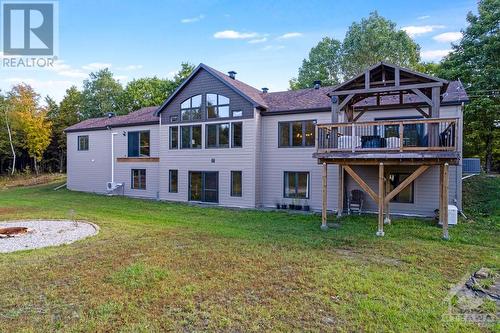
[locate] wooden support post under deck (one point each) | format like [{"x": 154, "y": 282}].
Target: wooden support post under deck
[
  {"x": 340, "y": 205},
  {"x": 324, "y": 226},
  {"x": 444, "y": 199},
  {"x": 387, "y": 219},
  {"x": 381, "y": 192}
]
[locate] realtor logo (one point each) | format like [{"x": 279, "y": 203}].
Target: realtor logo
[{"x": 28, "y": 28}]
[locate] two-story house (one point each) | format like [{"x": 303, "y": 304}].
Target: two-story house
[{"x": 217, "y": 140}]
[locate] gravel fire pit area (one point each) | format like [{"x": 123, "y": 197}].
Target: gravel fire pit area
[{"x": 35, "y": 234}]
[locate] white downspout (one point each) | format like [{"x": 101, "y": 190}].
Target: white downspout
[{"x": 113, "y": 157}]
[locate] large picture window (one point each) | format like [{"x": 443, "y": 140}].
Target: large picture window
[
  {"x": 173, "y": 137},
  {"x": 236, "y": 135},
  {"x": 191, "y": 108},
  {"x": 296, "y": 134},
  {"x": 173, "y": 178},
  {"x": 138, "y": 144},
  {"x": 191, "y": 137},
  {"x": 217, "y": 136},
  {"x": 138, "y": 181},
  {"x": 296, "y": 185},
  {"x": 83, "y": 142},
  {"x": 236, "y": 183},
  {"x": 217, "y": 106},
  {"x": 406, "y": 195}
]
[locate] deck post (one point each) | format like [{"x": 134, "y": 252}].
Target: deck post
[
  {"x": 324, "y": 226},
  {"x": 381, "y": 191},
  {"x": 340, "y": 205},
  {"x": 387, "y": 219},
  {"x": 445, "y": 202}
]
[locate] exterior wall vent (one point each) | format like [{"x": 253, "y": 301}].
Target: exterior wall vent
[
  {"x": 265, "y": 90},
  {"x": 232, "y": 74},
  {"x": 317, "y": 84}
]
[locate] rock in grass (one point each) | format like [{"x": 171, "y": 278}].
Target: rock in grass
[{"x": 483, "y": 273}]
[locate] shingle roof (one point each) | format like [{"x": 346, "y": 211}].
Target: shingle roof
[
  {"x": 255, "y": 94},
  {"x": 144, "y": 115},
  {"x": 304, "y": 100}
]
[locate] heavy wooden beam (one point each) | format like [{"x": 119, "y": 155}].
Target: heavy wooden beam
[
  {"x": 345, "y": 101},
  {"x": 359, "y": 115},
  {"x": 340, "y": 208},
  {"x": 367, "y": 79},
  {"x": 423, "y": 96},
  {"x": 361, "y": 183},
  {"x": 422, "y": 112},
  {"x": 335, "y": 109},
  {"x": 324, "y": 226},
  {"x": 445, "y": 201},
  {"x": 436, "y": 102},
  {"x": 406, "y": 182},
  {"x": 387, "y": 89},
  {"x": 381, "y": 191},
  {"x": 396, "y": 77}
]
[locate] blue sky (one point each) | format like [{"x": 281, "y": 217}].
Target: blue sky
[{"x": 264, "y": 41}]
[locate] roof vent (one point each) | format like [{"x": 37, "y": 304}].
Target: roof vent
[
  {"x": 265, "y": 90},
  {"x": 232, "y": 74},
  {"x": 317, "y": 84},
  {"x": 111, "y": 114}
]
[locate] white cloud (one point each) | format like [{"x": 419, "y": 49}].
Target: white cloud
[
  {"x": 416, "y": 30},
  {"x": 130, "y": 68},
  {"x": 121, "y": 77},
  {"x": 193, "y": 19},
  {"x": 423, "y": 17},
  {"x": 272, "y": 47},
  {"x": 289, "y": 35},
  {"x": 95, "y": 66},
  {"x": 231, "y": 34},
  {"x": 54, "y": 88},
  {"x": 64, "y": 69},
  {"x": 448, "y": 37},
  {"x": 434, "y": 55},
  {"x": 258, "y": 40}
]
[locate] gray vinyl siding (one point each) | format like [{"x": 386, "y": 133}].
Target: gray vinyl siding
[
  {"x": 426, "y": 190},
  {"x": 123, "y": 169},
  {"x": 89, "y": 170},
  {"x": 226, "y": 160},
  {"x": 205, "y": 83},
  {"x": 278, "y": 160}
]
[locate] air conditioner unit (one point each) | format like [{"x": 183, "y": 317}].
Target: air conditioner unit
[{"x": 111, "y": 186}]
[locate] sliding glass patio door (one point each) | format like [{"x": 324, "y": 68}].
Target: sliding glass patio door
[{"x": 204, "y": 186}]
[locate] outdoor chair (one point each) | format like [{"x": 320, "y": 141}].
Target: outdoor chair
[{"x": 355, "y": 201}]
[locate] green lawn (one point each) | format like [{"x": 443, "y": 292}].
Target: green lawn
[{"x": 163, "y": 266}]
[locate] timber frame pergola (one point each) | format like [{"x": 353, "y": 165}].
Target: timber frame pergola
[{"x": 365, "y": 92}]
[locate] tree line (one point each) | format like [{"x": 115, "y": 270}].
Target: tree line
[
  {"x": 474, "y": 60},
  {"x": 32, "y": 137}
]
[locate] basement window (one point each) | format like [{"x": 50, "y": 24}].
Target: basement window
[
  {"x": 138, "y": 181},
  {"x": 406, "y": 195}
]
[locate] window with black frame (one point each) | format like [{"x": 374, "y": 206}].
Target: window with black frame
[
  {"x": 299, "y": 133},
  {"x": 191, "y": 137},
  {"x": 217, "y": 135},
  {"x": 296, "y": 185},
  {"x": 174, "y": 137},
  {"x": 191, "y": 108},
  {"x": 236, "y": 183},
  {"x": 138, "y": 144},
  {"x": 83, "y": 142},
  {"x": 236, "y": 135},
  {"x": 407, "y": 194},
  {"x": 138, "y": 181},
  {"x": 173, "y": 181},
  {"x": 217, "y": 106}
]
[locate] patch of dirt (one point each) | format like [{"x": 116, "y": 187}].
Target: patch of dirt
[
  {"x": 477, "y": 297},
  {"x": 12, "y": 210},
  {"x": 378, "y": 259},
  {"x": 22, "y": 180}
]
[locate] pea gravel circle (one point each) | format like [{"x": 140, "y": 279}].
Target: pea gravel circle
[{"x": 43, "y": 233}]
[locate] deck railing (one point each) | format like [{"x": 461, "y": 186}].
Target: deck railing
[{"x": 440, "y": 134}]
